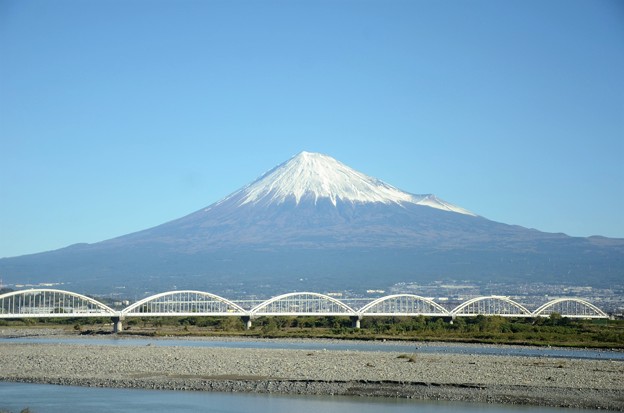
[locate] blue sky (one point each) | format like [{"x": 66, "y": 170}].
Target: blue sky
[{"x": 116, "y": 116}]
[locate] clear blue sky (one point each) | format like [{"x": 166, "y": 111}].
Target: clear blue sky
[{"x": 116, "y": 116}]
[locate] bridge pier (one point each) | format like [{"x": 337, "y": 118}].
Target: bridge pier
[
  {"x": 247, "y": 320},
  {"x": 355, "y": 321},
  {"x": 117, "y": 325}
]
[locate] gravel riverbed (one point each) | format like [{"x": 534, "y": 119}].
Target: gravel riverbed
[{"x": 596, "y": 384}]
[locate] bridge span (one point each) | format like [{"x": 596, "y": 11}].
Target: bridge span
[{"x": 48, "y": 303}]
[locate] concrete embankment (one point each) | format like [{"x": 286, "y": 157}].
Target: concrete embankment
[{"x": 493, "y": 379}]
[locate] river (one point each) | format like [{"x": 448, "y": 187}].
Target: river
[
  {"x": 306, "y": 344},
  {"x": 45, "y": 398}
]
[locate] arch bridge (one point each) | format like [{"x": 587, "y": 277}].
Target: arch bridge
[
  {"x": 42, "y": 303},
  {"x": 491, "y": 305},
  {"x": 47, "y": 303}
]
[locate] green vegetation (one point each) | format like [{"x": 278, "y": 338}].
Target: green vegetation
[
  {"x": 410, "y": 358},
  {"x": 552, "y": 331},
  {"x": 555, "y": 331}
]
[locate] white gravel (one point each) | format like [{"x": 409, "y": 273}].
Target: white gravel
[{"x": 501, "y": 379}]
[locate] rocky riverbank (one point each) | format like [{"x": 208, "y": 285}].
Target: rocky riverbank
[{"x": 543, "y": 381}]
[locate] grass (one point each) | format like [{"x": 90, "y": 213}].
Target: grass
[
  {"x": 553, "y": 331},
  {"x": 411, "y": 358}
]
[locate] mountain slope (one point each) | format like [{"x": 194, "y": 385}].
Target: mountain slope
[{"x": 313, "y": 218}]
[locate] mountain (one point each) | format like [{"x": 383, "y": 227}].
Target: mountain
[
  {"x": 313, "y": 176},
  {"x": 314, "y": 223}
]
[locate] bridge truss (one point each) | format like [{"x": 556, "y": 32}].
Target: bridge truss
[
  {"x": 491, "y": 305},
  {"x": 43, "y": 303},
  {"x": 404, "y": 305},
  {"x": 296, "y": 304},
  {"x": 570, "y": 307},
  {"x": 183, "y": 303}
]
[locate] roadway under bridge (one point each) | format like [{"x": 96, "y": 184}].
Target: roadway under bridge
[{"x": 51, "y": 303}]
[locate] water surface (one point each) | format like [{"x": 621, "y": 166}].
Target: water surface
[
  {"x": 46, "y": 398},
  {"x": 404, "y": 347}
]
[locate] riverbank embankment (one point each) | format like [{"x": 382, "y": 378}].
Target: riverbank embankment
[{"x": 595, "y": 384}]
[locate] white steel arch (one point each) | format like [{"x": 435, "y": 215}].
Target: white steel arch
[
  {"x": 570, "y": 307},
  {"x": 36, "y": 303},
  {"x": 183, "y": 303},
  {"x": 404, "y": 305},
  {"x": 45, "y": 303},
  {"x": 491, "y": 305},
  {"x": 305, "y": 303}
]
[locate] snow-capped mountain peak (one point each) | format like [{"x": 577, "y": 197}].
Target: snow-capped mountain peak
[{"x": 316, "y": 176}]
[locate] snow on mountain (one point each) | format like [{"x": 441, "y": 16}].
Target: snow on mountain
[
  {"x": 435, "y": 202},
  {"x": 316, "y": 176}
]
